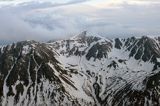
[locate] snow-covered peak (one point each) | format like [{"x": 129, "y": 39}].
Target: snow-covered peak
[
  {"x": 114, "y": 69},
  {"x": 84, "y": 45},
  {"x": 84, "y": 36},
  {"x": 83, "y": 70},
  {"x": 79, "y": 36}
]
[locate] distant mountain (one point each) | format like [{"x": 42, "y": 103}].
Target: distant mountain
[
  {"x": 84, "y": 70},
  {"x": 5, "y": 42}
]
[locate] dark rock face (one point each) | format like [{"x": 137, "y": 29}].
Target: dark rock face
[
  {"x": 99, "y": 51},
  {"x": 113, "y": 64},
  {"x": 148, "y": 97},
  {"x": 31, "y": 72},
  {"x": 145, "y": 48},
  {"x": 142, "y": 49},
  {"x": 118, "y": 43},
  {"x": 79, "y": 45},
  {"x": 148, "y": 50},
  {"x": 24, "y": 69}
]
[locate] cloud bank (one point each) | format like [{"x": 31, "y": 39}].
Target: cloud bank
[{"x": 46, "y": 19}]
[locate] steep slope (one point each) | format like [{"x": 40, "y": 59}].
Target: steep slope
[
  {"x": 81, "y": 71},
  {"x": 144, "y": 48},
  {"x": 114, "y": 72},
  {"x": 31, "y": 75},
  {"x": 146, "y": 51},
  {"x": 80, "y": 45}
]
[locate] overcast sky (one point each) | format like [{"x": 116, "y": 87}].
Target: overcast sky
[{"x": 54, "y": 19}]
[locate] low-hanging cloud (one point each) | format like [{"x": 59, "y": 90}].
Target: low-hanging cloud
[
  {"x": 14, "y": 28},
  {"x": 46, "y": 20}
]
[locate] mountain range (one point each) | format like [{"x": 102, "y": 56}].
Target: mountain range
[{"x": 83, "y": 70}]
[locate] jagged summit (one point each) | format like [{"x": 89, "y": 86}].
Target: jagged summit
[
  {"x": 115, "y": 68},
  {"x": 84, "y": 70},
  {"x": 85, "y": 38},
  {"x": 142, "y": 48},
  {"x": 145, "y": 48},
  {"x": 83, "y": 44},
  {"x": 82, "y": 35}
]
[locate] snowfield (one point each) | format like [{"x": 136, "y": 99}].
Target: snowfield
[{"x": 83, "y": 70}]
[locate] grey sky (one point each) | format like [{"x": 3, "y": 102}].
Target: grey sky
[{"x": 54, "y": 19}]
